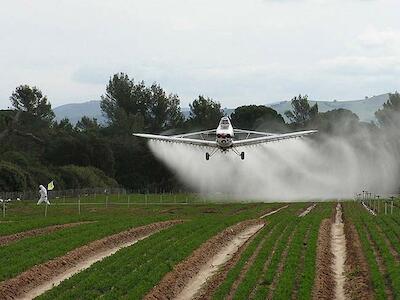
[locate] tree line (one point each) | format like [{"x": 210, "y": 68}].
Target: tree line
[{"x": 35, "y": 149}]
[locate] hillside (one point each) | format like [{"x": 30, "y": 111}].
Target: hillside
[
  {"x": 364, "y": 108},
  {"x": 75, "y": 111}
]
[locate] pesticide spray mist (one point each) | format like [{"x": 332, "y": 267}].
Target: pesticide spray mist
[{"x": 300, "y": 169}]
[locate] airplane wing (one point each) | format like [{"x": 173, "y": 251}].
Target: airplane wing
[
  {"x": 201, "y": 133},
  {"x": 178, "y": 139},
  {"x": 248, "y": 132},
  {"x": 272, "y": 138}
]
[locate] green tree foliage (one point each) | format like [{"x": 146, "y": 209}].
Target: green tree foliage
[
  {"x": 31, "y": 100},
  {"x": 338, "y": 122},
  {"x": 85, "y": 177},
  {"x": 133, "y": 107},
  {"x": 389, "y": 115},
  {"x": 257, "y": 117},
  {"x": 302, "y": 114},
  {"x": 86, "y": 124},
  {"x": 12, "y": 177},
  {"x": 205, "y": 113}
]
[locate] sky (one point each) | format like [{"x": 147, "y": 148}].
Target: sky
[{"x": 236, "y": 52}]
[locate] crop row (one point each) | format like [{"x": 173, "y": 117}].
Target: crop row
[
  {"x": 135, "y": 270},
  {"x": 286, "y": 233},
  {"x": 20, "y": 256},
  {"x": 379, "y": 235}
]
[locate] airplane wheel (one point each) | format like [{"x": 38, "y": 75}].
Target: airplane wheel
[
  {"x": 242, "y": 155},
  {"x": 207, "y": 156}
]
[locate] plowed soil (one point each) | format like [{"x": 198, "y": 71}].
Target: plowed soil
[
  {"x": 268, "y": 213},
  {"x": 175, "y": 281},
  {"x": 324, "y": 286},
  {"x": 23, "y": 284},
  {"x": 358, "y": 284},
  {"x": 7, "y": 239}
]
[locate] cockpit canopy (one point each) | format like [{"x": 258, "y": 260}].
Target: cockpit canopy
[{"x": 224, "y": 121}]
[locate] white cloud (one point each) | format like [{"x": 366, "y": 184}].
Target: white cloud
[{"x": 235, "y": 51}]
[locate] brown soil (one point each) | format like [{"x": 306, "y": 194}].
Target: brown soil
[
  {"x": 175, "y": 281},
  {"x": 358, "y": 283},
  {"x": 7, "y": 239},
  {"x": 247, "y": 266},
  {"x": 306, "y": 211},
  {"x": 381, "y": 266},
  {"x": 324, "y": 285},
  {"x": 213, "y": 284},
  {"x": 271, "y": 212},
  {"x": 37, "y": 275}
]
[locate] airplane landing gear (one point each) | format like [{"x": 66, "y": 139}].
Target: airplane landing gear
[
  {"x": 242, "y": 155},
  {"x": 207, "y": 156}
]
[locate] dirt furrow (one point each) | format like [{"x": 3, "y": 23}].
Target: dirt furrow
[
  {"x": 301, "y": 265},
  {"x": 281, "y": 265},
  {"x": 381, "y": 265},
  {"x": 338, "y": 248},
  {"x": 186, "y": 279},
  {"x": 208, "y": 290},
  {"x": 307, "y": 210},
  {"x": 40, "y": 278},
  {"x": 274, "y": 211},
  {"x": 246, "y": 267},
  {"x": 324, "y": 283},
  {"x": 358, "y": 283},
  {"x": 267, "y": 263},
  {"x": 7, "y": 239}
]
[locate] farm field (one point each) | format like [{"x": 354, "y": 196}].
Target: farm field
[{"x": 159, "y": 250}]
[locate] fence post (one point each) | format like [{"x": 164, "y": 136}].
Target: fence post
[
  {"x": 79, "y": 204},
  {"x": 129, "y": 198},
  {"x": 4, "y": 208}
]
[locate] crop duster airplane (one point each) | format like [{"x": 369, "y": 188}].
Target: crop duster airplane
[{"x": 225, "y": 138}]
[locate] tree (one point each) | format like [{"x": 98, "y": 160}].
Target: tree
[
  {"x": 133, "y": 107},
  {"x": 389, "y": 115},
  {"x": 302, "y": 113},
  {"x": 205, "y": 113},
  {"x": 338, "y": 122},
  {"x": 163, "y": 111},
  {"x": 257, "y": 117},
  {"x": 32, "y": 101},
  {"x": 87, "y": 124}
]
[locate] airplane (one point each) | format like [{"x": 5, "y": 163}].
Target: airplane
[{"x": 225, "y": 138}]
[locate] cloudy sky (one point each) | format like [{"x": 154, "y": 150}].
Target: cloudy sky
[{"x": 237, "y": 52}]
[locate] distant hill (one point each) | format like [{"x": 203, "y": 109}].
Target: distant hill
[
  {"x": 75, "y": 111},
  {"x": 365, "y": 108}
]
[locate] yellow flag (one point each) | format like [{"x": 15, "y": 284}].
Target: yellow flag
[{"x": 50, "y": 186}]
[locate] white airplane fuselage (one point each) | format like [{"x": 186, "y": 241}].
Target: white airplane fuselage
[{"x": 224, "y": 134}]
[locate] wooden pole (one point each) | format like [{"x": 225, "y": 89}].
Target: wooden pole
[
  {"x": 45, "y": 210},
  {"x": 79, "y": 204},
  {"x": 4, "y": 208}
]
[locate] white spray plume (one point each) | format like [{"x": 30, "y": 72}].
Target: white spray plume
[{"x": 300, "y": 169}]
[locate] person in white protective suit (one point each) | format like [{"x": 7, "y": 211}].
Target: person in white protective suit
[{"x": 43, "y": 195}]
